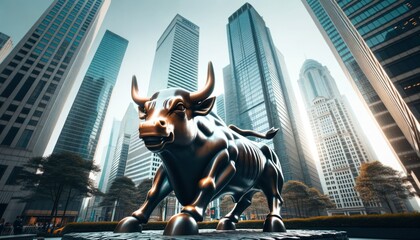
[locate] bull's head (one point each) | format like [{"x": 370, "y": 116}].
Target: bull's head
[{"x": 169, "y": 114}]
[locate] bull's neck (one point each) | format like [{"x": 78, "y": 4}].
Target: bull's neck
[{"x": 180, "y": 153}]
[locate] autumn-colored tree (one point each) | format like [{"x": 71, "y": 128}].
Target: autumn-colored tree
[
  {"x": 379, "y": 182},
  {"x": 259, "y": 206},
  {"x": 295, "y": 195},
  {"x": 318, "y": 202},
  {"x": 302, "y": 201},
  {"x": 226, "y": 205}
]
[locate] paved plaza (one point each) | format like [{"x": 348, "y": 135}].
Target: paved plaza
[{"x": 213, "y": 234}]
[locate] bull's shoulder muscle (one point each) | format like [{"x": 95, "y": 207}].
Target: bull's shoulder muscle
[{"x": 205, "y": 125}]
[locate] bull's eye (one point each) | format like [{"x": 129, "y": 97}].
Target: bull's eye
[{"x": 180, "y": 107}]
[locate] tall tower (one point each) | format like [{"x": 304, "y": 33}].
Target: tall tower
[
  {"x": 109, "y": 151},
  {"x": 6, "y": 46},
  {"x": 176, "y": 57},
  {"x": 84, "y": 122},
  {"x": 175, "y": 66},
  {"x": 376, "y": 44},
  {"x": 35, "y": 81},
  {"x": 81, "y": 131},
  {"x": 257, "y": 85},
  {"x": 220, "y": 106},
  {"x": 129, "y": 123},
  {"x": 342, "y": 146}
]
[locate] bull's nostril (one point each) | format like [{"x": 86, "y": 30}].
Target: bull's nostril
[{"x": 162, "y": 122}]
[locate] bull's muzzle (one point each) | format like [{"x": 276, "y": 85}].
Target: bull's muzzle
[{"x": 156, "y": 134}]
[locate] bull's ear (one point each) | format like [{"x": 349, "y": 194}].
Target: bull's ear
[
  {"x": 204, "y": 107},
  {"x": 142, "y": 113}
]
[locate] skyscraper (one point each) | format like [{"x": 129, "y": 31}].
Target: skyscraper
[
  {"x": 175, "y": 66},
  {"x": 141, "y": 163},
  {"x": 342, "y": 146},
  {"x": 220, "y": 106},
  {"x": 6, "y": 46},
  {"x": 259, "y": 94},
  {"x": 129, "y": 123},
  {"x": 376, "y": 44},
  {"x": 82, "y": 128},
  {"x": 176, "y": 57},
  {"x": 109, "y": 151},
  {"x": 35, "y": 81}
]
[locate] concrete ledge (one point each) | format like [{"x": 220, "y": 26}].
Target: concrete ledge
[
  {"x": 379, "y": 233},
  {"x": 19, "y": 237},
  {"x": 213, "y": 234}
]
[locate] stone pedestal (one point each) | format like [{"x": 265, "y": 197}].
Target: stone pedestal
[{"x": 213, "y": 234}]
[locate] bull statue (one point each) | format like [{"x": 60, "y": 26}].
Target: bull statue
[{"x": 202, "y": 160}]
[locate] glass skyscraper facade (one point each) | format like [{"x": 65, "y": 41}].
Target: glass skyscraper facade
[
  {"x": 259, "y": 97},
  {"x": 108, "y": 154},
  {"x": 35, "y": 81},
  {"x": 342, "y": 146},
  {"x": 82, "y": 128},
  {"x": 129, "y": 123},
  {"x": 220, "y": 106},
  {"x": 176, "y": 57},
  {"x": 376, "y": 44}
]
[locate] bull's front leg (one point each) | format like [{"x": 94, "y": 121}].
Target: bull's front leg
[
  {"x": 160, "y": 189},
  {"x": 218, "y": 173}
]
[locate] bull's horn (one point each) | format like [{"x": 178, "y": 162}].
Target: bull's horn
[
  {"x": 208, "y": 89},
  {"x": 135, "y": 93}
]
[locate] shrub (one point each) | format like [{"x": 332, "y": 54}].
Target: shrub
[{"x": 367, "y": 221}]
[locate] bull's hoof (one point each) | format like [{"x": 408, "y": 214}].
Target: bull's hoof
[
  {"x": 226, "y": 224},
  {"x": 273, "y": 224},
  {"x": 128, "y": 224},
  {"x": 181, "y": 224}
]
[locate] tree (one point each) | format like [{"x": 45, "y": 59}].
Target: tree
[
  {"x": 58, "y": 177},
  {"x": 302, "y": 201},
  {"x": 295, "y": 193},
  {"x": 123, "y": 193},
  {"x": 259, "y": 206},
  {"x": 318, "y": 202},
  {"x": 379, "y": 182},
  {"x": 142, "y": 190},
  {"x": 226, "y": 205}
]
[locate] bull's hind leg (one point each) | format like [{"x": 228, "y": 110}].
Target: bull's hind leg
[
  {"x": 228, "y": 221},
  {"x": 271, "y": 184}
]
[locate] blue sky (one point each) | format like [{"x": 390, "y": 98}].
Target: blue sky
[{"x": 142, "y": 23}]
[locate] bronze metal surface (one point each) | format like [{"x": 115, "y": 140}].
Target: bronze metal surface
[{"x": 203, "y": 159}]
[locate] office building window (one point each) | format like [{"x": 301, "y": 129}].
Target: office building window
[
  {"x": 2, "y": 170},
  {"x": 12, "y": 180},
  {"x": 24, "y": 139},
  {"x": 12, "y": 86},
  {"x": 10, "y": 136}
]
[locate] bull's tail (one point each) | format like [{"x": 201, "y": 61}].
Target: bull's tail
[{"x": 246, "y": 133}]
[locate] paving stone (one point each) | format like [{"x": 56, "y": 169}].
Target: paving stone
[{"x": 241, "y": 234}]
